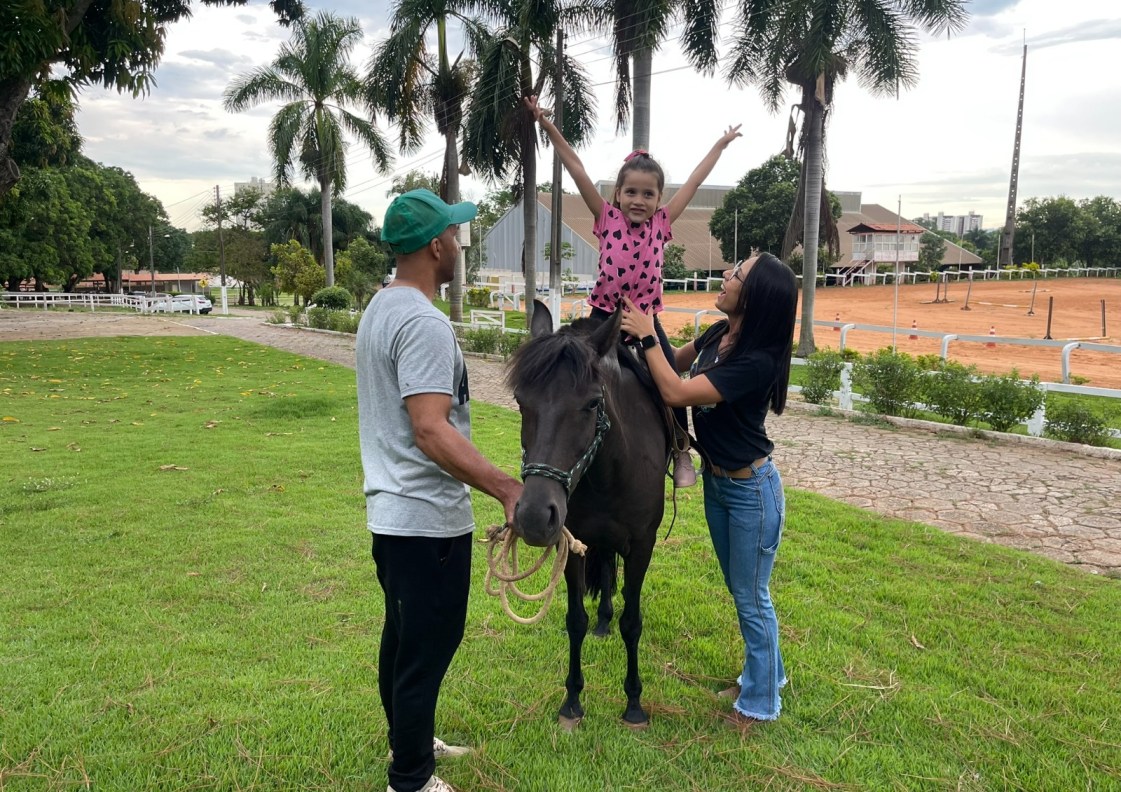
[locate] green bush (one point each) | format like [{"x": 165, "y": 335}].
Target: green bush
[
  {"x": 295, "y": 314},
  {"x": 892, "y": 382},
  {"x": 850, "y": 355},
  {"x": 686, "y": 334},
  {"x": 1073, "y": 422},
  {"x": 1006, "y": 400},
  {"x": 334, "y": 298},
  {"x": 823, "y": 376},
  {"x": 483, "y": 340},
  {"x": 478, "y": 297},
  {"x": 509, "y": 342},
  {"x": 929, "y": 362},
  {"x": 344, "y": 321},
  {"x": 279, "y": 316},
  {"x": 954, "y": 392},
  {"x": 319, "y": 318}
]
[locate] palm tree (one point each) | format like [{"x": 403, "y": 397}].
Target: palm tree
[
  {"x": 500, "y": 135},
  {"x": 411, "y": 83},
  {"x": 313, "y": 75},
  {"x": 638, "y": 28},
  {"x": 813, "y": 44}
]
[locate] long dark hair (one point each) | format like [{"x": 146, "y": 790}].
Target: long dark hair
[{"x": 767, "y": 305}]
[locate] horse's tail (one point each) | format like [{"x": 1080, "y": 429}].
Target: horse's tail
[{"x": 600, "y": 572}]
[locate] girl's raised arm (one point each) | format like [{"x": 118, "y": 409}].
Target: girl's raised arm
[
  {"x": 685, "y": 193},
  {"x": 569, "y": 158}
]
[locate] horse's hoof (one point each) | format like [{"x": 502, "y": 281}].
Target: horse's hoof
[
  {"x": 602, "y": 631},
  {"x": 636, "y": 726},
  {"x": 568, "y": 724}
]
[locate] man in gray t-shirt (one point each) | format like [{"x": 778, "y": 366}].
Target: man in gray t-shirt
[{"x": 414, "y": 427}]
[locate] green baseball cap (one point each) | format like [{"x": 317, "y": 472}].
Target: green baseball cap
[{"x": 417, "y": 217}]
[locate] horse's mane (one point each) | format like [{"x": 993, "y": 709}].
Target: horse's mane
[{"x": 559, "y": 359}]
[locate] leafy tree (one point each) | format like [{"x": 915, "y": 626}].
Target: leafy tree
[
  {"x": 296, "y": 270},
  {"x": 1102, "y": 241},
  {"x": 92, "y": 42},
  {"x": 764, "y": 198},
  {"x": 1058, "y": 227},
  {"x": 414, "y": 180},
  {"x": 367, "y": 267},
  {"x": 45, "y": 134},
  {"x": 293, "y": 214},
  {"x": 500, "y": 138},
  {"x": 312, "y": 72},
  {"x": 673, "y": 267},
  {"x": 414, "y": 84},
  {"x": 932, "y": 247},
  {"x": 812, "y": 44}
]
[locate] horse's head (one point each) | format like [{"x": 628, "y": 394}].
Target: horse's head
[{"x": 560, "y": 384}]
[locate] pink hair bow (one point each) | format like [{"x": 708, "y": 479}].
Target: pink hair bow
[{"x": 636, "y": 153}]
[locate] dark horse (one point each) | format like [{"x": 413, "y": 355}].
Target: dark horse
[{"x": 594, "y": 451}]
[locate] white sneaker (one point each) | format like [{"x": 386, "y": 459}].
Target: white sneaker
[
  {"x": 435, "y": 784},
  {"x": 442, "y": 750}
]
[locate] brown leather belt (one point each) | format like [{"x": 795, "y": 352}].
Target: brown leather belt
[{"x": 740, "y": 473}]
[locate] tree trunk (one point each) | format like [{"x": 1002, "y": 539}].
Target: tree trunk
[
  {"x": 328, "y": 231},
  {"x": 13, "y": 91},
  {"x": 529, "y": 218},
  {"x": 451, "y": 180},
  {"x": 640, "y": 127},
  {"x": 813, "y": 222}
]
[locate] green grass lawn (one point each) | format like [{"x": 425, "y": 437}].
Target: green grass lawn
[{"x": 188, "y": 602}]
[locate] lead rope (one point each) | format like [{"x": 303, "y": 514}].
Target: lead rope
[{"x": 503, "y": 568}]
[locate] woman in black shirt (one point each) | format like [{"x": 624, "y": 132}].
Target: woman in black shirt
[{"x": 738, "y": 370}]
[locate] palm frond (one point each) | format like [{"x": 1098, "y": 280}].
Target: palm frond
[
  {"x": 368, "y": 135},
  {"x": 700, "y": 38},
  {"x": 261, "y": 85},
  {"x": 489, "y": 146},
  {"x": 938, "y": 16},
  {"x": 284, "y": 131}
]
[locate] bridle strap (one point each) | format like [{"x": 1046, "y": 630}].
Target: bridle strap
[{"x": 603, "y": 426}]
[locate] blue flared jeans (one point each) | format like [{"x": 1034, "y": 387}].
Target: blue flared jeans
[{"x": 745, "y": 519}]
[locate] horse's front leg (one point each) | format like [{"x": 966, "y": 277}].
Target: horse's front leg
[
  {"x": 630, "y": 627},
  {"x": 576, "y": 621},
  {"x": 605, "y": 611}
]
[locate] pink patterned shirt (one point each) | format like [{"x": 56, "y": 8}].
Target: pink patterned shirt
[{"x": 630, "y": 260}]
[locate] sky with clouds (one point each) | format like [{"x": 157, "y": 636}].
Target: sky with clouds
[{"x": 945, "y": 145}]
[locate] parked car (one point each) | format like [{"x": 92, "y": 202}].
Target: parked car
[{"x": 187, "y": 303}]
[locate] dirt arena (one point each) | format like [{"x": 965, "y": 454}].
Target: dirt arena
[{"x": 1000, "y": 304}]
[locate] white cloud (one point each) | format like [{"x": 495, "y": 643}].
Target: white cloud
[{"x": 944, "y": 146}]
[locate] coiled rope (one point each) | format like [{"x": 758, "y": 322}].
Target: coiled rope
[{"x": 503, "y": 573}]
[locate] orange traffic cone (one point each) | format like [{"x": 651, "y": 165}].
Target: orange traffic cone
[
  {"x": 914, "y": 326},
  {"x": 992, "y": 334},
  {"x": 837, "y": 329}
]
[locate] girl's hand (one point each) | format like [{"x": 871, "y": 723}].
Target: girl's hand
[
  {"x": 732, "y": 133},
  {"x": 635, "y": 322},
  {"x": 531, "y": 105}
]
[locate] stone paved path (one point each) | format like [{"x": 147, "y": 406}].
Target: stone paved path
[{"x": 1051, "y": 501}]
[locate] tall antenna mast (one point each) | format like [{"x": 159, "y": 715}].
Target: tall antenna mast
[{"x": 1004, "y": 256}]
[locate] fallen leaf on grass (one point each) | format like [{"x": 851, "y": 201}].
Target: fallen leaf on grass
[
  {"x": 172, "y": 467},
  {"x": 276, "y": 434},
  {"x": 53, "y": 428},
  {"x": 218, "y": 491},
  {"x": 9, "y": 419},
  {"x": 915, "y": 643},
  {"x": 193, "y": 574},
  {"x": 74, "y": 446},
  {"x": 277, "y": 488},
  {"x": 210, "y": 424},
  {"x": 33, "y": 448}
]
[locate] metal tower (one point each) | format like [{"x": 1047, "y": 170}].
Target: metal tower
[{"x": 1004, "y": 255}]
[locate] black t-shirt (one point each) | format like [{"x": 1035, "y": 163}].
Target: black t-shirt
[{"x": 732, "y": 432}]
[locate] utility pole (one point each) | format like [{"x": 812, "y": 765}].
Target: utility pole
[
  {"x": 151, "y": 260},
  {"x": 221, "y": 249},
  {"x": 555, "y": 280},
  {"x": 1004, "y": 253}
]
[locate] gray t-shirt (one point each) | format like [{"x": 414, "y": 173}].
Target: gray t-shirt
[{"x": 405, "y": 346}]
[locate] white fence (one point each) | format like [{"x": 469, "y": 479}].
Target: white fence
[{"x": 139, "y": 303}]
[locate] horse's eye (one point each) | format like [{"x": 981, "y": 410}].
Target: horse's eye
[{"x": 593, "y": 405}]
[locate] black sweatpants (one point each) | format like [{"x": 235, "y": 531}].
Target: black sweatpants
[{"x": 426, "y": 583}]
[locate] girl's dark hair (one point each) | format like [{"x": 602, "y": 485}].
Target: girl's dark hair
[
  {"x": 768, "y": 303},
  {"x": 641, "y": 161}
]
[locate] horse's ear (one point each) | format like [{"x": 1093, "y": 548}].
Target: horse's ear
[
  {"x": 606, "y": 336},
  {"x": 542, "y": 320}
]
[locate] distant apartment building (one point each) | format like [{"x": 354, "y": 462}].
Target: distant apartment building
[
  {"x": 264, "y": 186},
  {"x": 960, "y": 225}
]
